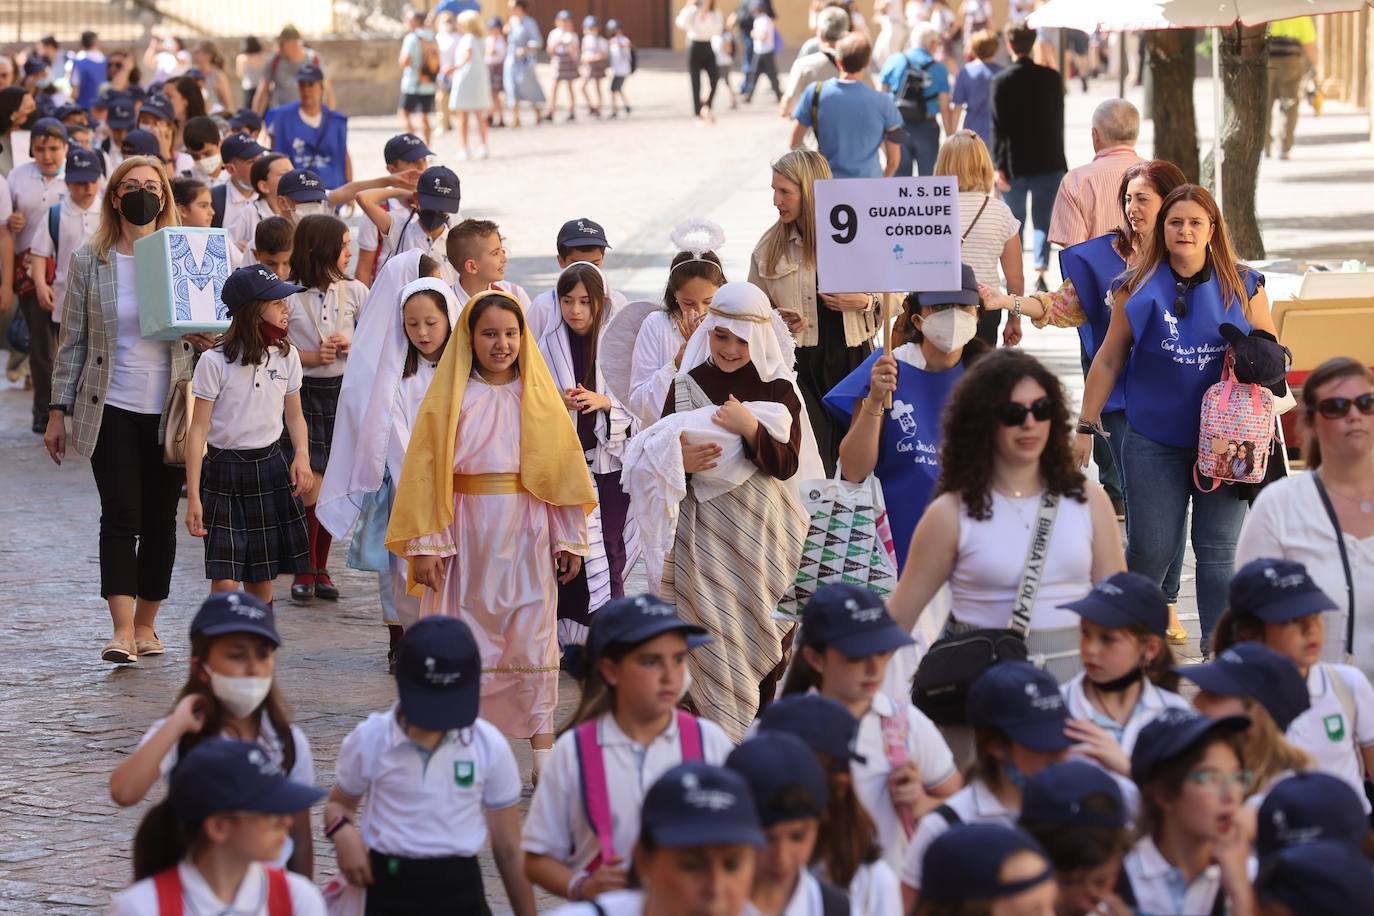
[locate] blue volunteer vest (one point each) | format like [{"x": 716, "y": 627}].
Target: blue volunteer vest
[
  {"x": 909, "y": 443},
  {"x": 1175, "y": 360},
  {"x": 323, "y": 150},
  {"x": 1092, "y": 266},
  {"x": 90, "y": 74}
]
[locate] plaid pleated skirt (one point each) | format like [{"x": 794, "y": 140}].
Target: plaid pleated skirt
[
  {"x": 255, "y": 527},
  {"x": 319, "y": 404}
]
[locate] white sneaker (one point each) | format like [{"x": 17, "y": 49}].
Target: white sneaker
[
  {"x": 482, "y": 152},
  {"x": 463, "y": 154}
]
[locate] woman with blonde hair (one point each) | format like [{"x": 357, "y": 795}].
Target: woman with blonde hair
[
  {"x": 834, "y": 331},
  {"x": 470, "y": 95},
  {"x": 125, "y": 384},
  {"x": 988, "y": 233}
]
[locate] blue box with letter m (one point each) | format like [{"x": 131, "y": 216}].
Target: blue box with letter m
[{"x": 180, "y": 272}]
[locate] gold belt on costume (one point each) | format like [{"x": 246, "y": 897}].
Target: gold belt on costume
[{"x": 487, "y": 484}]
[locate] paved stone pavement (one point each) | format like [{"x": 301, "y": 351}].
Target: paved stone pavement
[{"x": 66, "y": 719}]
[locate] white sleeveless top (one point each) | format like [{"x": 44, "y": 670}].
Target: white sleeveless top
[{"x": 992, "y": 554}]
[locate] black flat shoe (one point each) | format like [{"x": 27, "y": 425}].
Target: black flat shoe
[
  {"x": 325, "y": 587},
  {"x": 302, "y": 592}
]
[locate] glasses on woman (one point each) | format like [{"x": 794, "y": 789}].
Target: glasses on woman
[
  {"x": 1335, "y": 408},
  {"x": 1221, "y": 782},
  {"x": 130, "y": 186},
  {"x": 1014, "y": 414},
  {"x": 1181, "y": 303}
]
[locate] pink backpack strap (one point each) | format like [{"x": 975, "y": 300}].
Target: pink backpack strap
[
  {"x": 689, "y": 736},
  {"x": 278, "y": 893},
  {"x": 168, "y": 885},
  {"x": 596, "y": 797},
  {"x": 894, "y": 747}
]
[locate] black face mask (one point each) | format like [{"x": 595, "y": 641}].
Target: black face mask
[
  {"x": 140, "y": 207},
  {"x": 430, "y": 220}
]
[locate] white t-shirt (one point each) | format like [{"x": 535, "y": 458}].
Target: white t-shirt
[
  {"x": 248, "y": 399},
  {"x": 33, "y": 195},
  {"x": 1325, "y": 731},
  {"x": 1153, "y": 700},
  {"x": 140, "y": 899},
  {"x": 368, "y": 235},
  {"x": 875, "y": 891},
  {"x": 472, "y": 771},
  {"x": 74, "y": 228},
  {"x": 620, "y": 56},
  {"x": 982, "y": 249},
  {"x": 448, "y": 43},
  {"x": 142, "y": 369},
  {"x": 595, "y": 46},
  {"x": 317, "y": 315},
  {"x": 406, "y": 233},
  {"x": 515, "y": 289},
  {"x": 975, "y": 804},
  {"x": 235, "y": 201},
  {"x": 557, "y": 824},
  {"x": 1288, "y": 521},
  {"x": 764, "y": 35},
  {"x": 6, "y": 201}
]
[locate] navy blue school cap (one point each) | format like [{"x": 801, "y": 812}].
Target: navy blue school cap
[
  {"x": 1259, "y": 358},
  {"x": 107, "y": 97},
  {"x": 309, "y": 73},
  {"x": 1317, "y": 879},
  {"x": 1248, "y": 669},
  {"x": 235, "y": 612},
  {"x": 1075, "y": 793},
  {"x": 405, "y": 148},
  {"x": 251, "y": 283},
  {"x": 774, "y": 763},
  {"x": 826, "y": 725},
  {"x": 1307, "y": 808},
  {"x": 246, "y": 119},
  {"x": 439, "y": 674},
  {"x": 35, "y": 64},
  {"x": 582, "y": 233},
  {"x": 1124, "y": 599},
  {"x": 1277, "y": 591},
  {"x": 635, "y": 619},
  {"x": 82, "y": 165},
  {"x": 221, "y": 775},
  {"x": 120, "y": 114},
  {"x": 967, "y": 294},
  {"x": 1173, "y": 732},
  {"x": 69, "y": 110},
  {"x": 438, "y": 189},
  {"x": 965, "y": 863},
  {"x": 135, "y": 93},
  {"x": 612, "y": 25},
  {"x": 154, "y": 88},
  {"x": 48, "y": 127},
  {"x": 195, "y": 74},
  {"x": 699, "y": 804},
  {"x": 140, "y": 142},
  {"x": 852, "y": 620},
  {"x": 1023, "y": 702},
  {"x": 240, "y": 146},
  {"x": 303, "y": 186},
  {"x": 159, "y": 107}
]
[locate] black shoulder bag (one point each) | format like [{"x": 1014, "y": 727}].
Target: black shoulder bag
[{"x": 1345, "y": 567}]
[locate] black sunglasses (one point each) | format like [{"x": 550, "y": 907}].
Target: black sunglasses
[
  {"x": 1181, "y": 303},
  {"x": 1335, "y": 408},
  {"x": 1014, "y": 414}
]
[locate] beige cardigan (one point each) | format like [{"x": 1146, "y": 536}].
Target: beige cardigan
[{"x": 792, "y": 285}]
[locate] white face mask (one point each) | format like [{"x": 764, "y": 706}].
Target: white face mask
[
  {"x": 313, "y": 208},
  {"x": 950, "y": 329},
  {"x": 209, "y": 166},
  {"x": 240, "y": 695}
]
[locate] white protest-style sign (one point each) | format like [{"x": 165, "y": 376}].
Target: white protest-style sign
[{"x": 887, "y": 235}]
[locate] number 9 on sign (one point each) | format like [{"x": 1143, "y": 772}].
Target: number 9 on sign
[{"x": 846, "y": 223}]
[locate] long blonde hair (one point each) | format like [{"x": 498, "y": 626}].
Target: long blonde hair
[
  {"x": 965, "y": 157},
  {"x": 1267, "y": 753},
  {"x": 802, "y": 167},
  {"x": 470, "y": 21},
  {"x": 108, "y": 233}
]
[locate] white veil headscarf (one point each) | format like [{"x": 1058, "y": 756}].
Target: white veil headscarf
[{"x": 362, "y": 426}]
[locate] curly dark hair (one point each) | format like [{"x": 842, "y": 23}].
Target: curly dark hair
[{"x": 969, "y": 427}]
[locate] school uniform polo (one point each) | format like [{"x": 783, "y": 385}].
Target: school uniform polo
[
  {"x": 235, "y": 200},
  {"x": 612, "y": 903},
  {"x": 140, "y": 899},
  {"x": 1325, "y": 730},
  {"x": 506, "y": 286},
  {"x": 1159, "y": 888},
  {"x": 974, "y": 804},
  {"x": 806, "y": 899},
  {"x": 557, "y": 824},
  {"x": 248, "y": 399},
  {"x": 1151, "y": 703},
  {"x": 424, "y": 804},
  {"x": 33, "y": 194},
  {"x": 75, "y": 226},
  {"x": 924, "y": 745},
  {"x": 407, "y": 233},
  {"x": 242, "y": 227},
  {"x": 369, "y": 237},
  {"x": 317, "y": 315}
]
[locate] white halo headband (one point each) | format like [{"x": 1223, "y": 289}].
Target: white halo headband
[{"x": 700, "y": 237}]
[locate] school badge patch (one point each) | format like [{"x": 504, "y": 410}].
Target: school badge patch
[
  {"x": 1335, "y": 727},
  {"x": 463, "y": 773}
]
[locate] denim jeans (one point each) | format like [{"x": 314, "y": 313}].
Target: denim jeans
[
  {"x": 1042, "y": 190},
  {"x": 1114, "y": 422},
  {"x": 921, "y": 146},
  {"x": 1162, "y": 475}
]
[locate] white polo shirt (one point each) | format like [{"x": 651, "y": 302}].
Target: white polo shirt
[
  {"x": 925, "y": 746},
  {"x": 242, "y": 227},
  {"x": 75, "y": 226},
  {"x": 248, "y": 399},
  {"x": 557, "y": 824},
  {"x": 369, "y": 238},
  {"x": 515, "y": 289},
  {"x": 318, "y": 315},
  {"x": 1325, "y": 730},
  {"x": 975, "y": 804},
  {"x": 234, "y": 200},
  {"x": 1151, "y": 703},
  {"x": 612, "y": 903},
  {"x": 33, "y": 194},
  {"x": 875, "y": 891},
  {"x": 545, "y": 306},
  {"x": 425, "y": 804},
  {"x": 1159, "y": 887},
  {"x": 806, "y": 899},
  {"x": 140, "y": 899}
]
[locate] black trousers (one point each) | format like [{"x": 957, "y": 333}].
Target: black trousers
[
  {"x": 138, "y": 506},
  {"x": 402, "y": 887},
  {"x": 765, "y": 65},
  {"x": 701, "y": 59},
  {"x": 42, "y": 349}
]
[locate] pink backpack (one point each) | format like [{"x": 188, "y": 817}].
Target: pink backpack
[{"x": 1235, "y": 432}]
